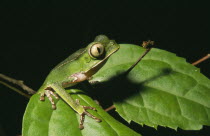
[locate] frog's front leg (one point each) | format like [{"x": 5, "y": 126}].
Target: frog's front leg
[{"x": 49, "y": 92}]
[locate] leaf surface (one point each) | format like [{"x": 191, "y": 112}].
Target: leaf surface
[
  {"x": 41, "y": 120},
  {"x": 162, "y": 89}
]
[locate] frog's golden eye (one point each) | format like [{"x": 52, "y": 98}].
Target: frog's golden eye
[{"x": 96, "y": 50}]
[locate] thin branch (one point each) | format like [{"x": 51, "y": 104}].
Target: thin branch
[
  {"x": 110, "y": 108},
  {"x": 146, "y": 44},
  {"x": 15, "y": 89},
  {"x": 19, "y": 83},
  {"x": 140, "y": 58},
  {"x": 201, "y": 60}
]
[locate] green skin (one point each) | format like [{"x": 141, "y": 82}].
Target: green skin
[{"x": 78, "y": 67}]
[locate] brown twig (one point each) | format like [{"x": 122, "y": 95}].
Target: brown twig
[
  {"x": 15, "y": 89},
  {"x": 110, "y": 108},
  {"x": 140, "y": 58},
  {"x": 19, "y": 83},
  {"x": 146, "y": 44},
  {"x": 201, "y": 60}
]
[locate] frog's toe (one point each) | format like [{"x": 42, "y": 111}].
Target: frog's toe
[
  {"x": 92, "y": 116},
  {"x": 42, "y": 97}
]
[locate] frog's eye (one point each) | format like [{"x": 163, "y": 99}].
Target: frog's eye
[{"x": 96, "y": 50}]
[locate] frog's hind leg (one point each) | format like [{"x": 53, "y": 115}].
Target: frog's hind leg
[{"x": 81, "y": 110}]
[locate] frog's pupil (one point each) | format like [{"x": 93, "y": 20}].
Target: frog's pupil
[{"x": 98, "y": 49}]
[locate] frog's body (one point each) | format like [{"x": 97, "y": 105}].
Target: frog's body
[
  {"x": 78, "y": 67},
  {"x": 69, "y": 65}
]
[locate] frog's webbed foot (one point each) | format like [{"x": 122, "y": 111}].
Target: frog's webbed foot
[
  {"x": 49, "y": 92},
  {"x": 85, "y": 112}
]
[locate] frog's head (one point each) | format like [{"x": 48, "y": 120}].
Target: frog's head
[{"x": 99, "y": 50}]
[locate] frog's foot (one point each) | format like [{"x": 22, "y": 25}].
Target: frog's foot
[
  {"x": 85, "y": 112},
  {"x": 49, "y": 92}
]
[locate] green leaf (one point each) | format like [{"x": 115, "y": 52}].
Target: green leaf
[
  {"x": 41, "y": 120},
  {"x": 162, "y": 89}
]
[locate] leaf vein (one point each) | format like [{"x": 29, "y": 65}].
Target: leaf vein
[{"x": 156, "y": 88}]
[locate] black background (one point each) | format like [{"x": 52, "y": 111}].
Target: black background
[{"x": 36, "y": 35}]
